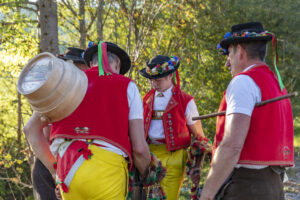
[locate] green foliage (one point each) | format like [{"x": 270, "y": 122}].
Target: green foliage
[
  {"x": 297, "y": 132},
  {"x": 18, "y": 43},
  {"x": 189, "y": 29}
]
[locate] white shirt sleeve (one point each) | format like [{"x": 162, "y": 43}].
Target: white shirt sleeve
[
  {"x": 190, "y": 112},
  {"x": 134, "y": 102},
  {"x": 241, "y": 95}
]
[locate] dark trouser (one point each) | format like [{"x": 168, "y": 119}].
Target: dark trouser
[
  {"x": 252, "y": 184},
  {"x": 43, "y": 181}
]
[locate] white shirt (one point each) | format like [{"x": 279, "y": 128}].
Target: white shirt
[
  {"x": 156, "y": 130},
  {"x": 135, "y": 112},
  {"x": 241, "y": 96}
]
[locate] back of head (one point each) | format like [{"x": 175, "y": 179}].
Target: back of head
[
  {"x": 256, "y": 50},
  {"x": 251, "y": 36},
  {"x": 113, "y": 52},
  {"x": 111, "y": 58}
]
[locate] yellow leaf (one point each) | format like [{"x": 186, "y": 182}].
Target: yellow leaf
[
  {"x": 15, "y": 180},
  {"x": 19, "y": 169},
  {"x": 202, "y": 6},
  {"x": 19, "y": 162},
  {"x": 7, "y": 157}
]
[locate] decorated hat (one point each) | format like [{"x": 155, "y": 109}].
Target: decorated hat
[
  {"x": 113, "y": 48},
  {"x": 74, "y": 54},
  {"x": 160, "y": 66},
  {"x": 252, "y": 31}
]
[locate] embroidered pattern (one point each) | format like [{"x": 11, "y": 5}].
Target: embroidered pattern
[
  {"x": 157, "y": 114},
  {"x": 242, "y": 34},
  {"x": 163, "y": 68},
  {"x": 198, "y": 149}
]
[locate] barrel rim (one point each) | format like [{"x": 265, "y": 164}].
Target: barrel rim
[{"x": 27, "y": 68}]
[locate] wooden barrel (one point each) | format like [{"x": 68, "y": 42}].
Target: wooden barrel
[{"x": 53, "y": 87}]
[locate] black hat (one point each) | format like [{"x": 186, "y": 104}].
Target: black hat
[
  {"x": 252, "y": 31},
  {"x": 74, "y": 54},
  {"x": 113, "y": 48},
  {"x": 160, "y": 66}
]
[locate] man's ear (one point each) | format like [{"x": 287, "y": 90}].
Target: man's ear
[
  {"x": 91, "y": 64},
  {"x": 241, "y": 51}
]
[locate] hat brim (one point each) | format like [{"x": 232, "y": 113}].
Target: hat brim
[
  {"x": 144, "y": 73},
  {"x": 75, "y": 59},
  {"x": 123, "y": 56},
  {"x": 226, "y": 42}
]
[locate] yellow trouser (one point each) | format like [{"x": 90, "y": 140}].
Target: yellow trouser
[
  {"x": 175, "y": 163},
  {"x": 103, "y": 177}
]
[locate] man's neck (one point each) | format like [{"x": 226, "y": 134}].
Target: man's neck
[
  {"x": 167, "y": 88},
  {"x": 253, "y": 62}
]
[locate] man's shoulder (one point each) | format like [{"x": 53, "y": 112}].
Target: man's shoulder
[{"x": 148, "y": 94}]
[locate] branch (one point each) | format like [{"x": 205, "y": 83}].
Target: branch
[
  {"x": 28, "y": 8},
  {"x": 69, "y": 7},
  {"x": 123, "y": 6},
  {"x": 23, "y": 184},
  {"x": 70, "y": 22},
  {"x": 13, "y": 23},
  {"x": 103, "y": 22},
  {"x": 93, "y": 17}
]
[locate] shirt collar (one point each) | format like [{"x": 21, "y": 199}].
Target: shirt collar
[{"x": 251, "y": 66}]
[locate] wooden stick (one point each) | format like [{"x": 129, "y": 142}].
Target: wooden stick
[{"x": 293, "y": 94}]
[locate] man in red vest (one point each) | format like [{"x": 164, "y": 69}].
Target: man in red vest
[
  {"x": 42, "y": 179},
  {"x": 252, "y": 144},
  {"x": 168, "y": 113},
  {"x": 91, "y": 148}
]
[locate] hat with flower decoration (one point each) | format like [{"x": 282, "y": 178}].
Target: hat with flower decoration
[
  {"x": 247, "y": 32},
  {"x": 102, "y": 48},
  {"x": 160, "y": 66},
  {"x": 251, "y": 31}
]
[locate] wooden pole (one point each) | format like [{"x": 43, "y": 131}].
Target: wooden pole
[{"x": 293, "y": 94}]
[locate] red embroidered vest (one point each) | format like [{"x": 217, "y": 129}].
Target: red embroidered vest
[
  {"x": 270, "y": 136},
  {"x": 176, "y": 132},
  {"x": 103, "y": 113}
]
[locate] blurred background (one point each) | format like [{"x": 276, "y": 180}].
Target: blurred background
[{"x": 189, "y": 29}]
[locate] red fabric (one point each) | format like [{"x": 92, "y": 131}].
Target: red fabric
[
  {"x": 270, "y": 137},
  {"x": 104, "y": 111},
  {"x": 105, "y": 62},
  {"x": 65, "y": 163},
  {"x": 177, "y": 134}
]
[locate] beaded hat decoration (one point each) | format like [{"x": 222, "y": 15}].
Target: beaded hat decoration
[
  {"x": 163, "y": 68},
  {"x": 247, "y": 32}
]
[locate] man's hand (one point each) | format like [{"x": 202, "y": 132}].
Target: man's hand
[
  {"x": 57, "y": 193},
  {"x": 141, "y": 153},
  {"x": 227, "y": 154}
]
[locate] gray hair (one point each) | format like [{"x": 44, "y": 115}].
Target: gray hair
[{"x": 111, "y": 58}]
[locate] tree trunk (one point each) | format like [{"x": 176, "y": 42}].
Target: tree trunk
[
  {"x": 129, "y": 33},
  {"x": 82, "y": 28},
  {"x": 48, "y": 29},
  {"x": 48, "y": 35},
  {"x": 100, "y": 20}
]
